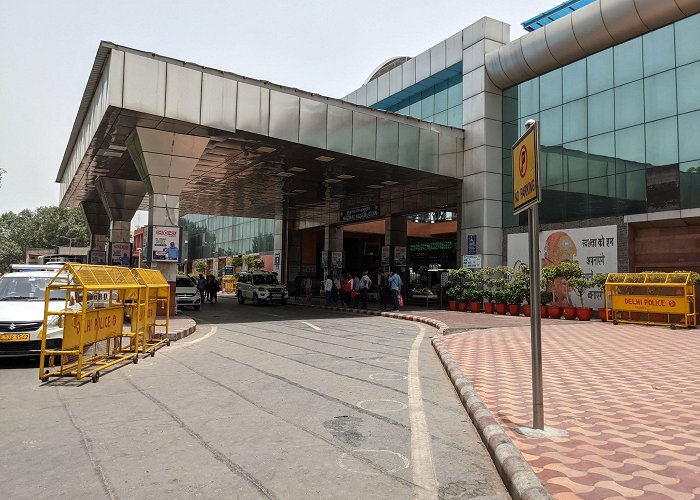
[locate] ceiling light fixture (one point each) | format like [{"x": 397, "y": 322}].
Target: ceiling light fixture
[
  {"x": 325, "y": 159},
  {"x": 266, "y": 149},
  {"x": 297, "y": 169},
  {"x": 389, "y": 183},
  {"x": 375, "y": 186},
  {"x": 285, "y": 174},
  {"x": 346, "y": 176},
  {"x": 333, "y": 181}
]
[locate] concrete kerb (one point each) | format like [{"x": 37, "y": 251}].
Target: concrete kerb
[
  {"x": 179, "y": 328},
  {"x": 517, "y": 475}
]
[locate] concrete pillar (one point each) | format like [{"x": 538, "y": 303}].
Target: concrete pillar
[
  {"x": 293, "y": 259},
  {"x": 165, "y": 161},
  {"x": 332, "y": 242},
  {"x": 98, "y": 222},
  {"x": 395, "y": 235},
  {"x": 280, "y": 249},
  {"x": 482, "y": 204}
]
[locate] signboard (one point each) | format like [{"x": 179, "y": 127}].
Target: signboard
[
  {"x": 165, "y": 243},
  {"x": 360, "y": 213},
  {"x": 278, "y": 261},
  {"x": 120, "y": 254},
  {"x": 471, "y": 261},
  {"x": 324, "y": 259},
  {"x": 97, "y": 257},
  {"x": 228, "y": 270},
  {"x": 99, "y": 325},
  {"x": 526, "y": 170},
  {"x": 337, "y": 260},
  {"x": 385, "y": 255},
  {"x": 399, "y": 256},
  {"x": 645, "y": 303},
  {"x": 471, "y": 244}
]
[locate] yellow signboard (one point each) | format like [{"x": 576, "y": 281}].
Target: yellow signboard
[
  {"x": 526, "y": 170},
  {"x": 99, "y": 324},
  {"x": 652, "y": 304}
]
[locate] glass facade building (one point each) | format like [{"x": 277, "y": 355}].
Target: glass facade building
[
  {"x": 218, "y": 236},
  {"x": 619, "y": 129}
]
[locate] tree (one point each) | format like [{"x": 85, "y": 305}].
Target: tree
[{"x": 45, "y": 227}]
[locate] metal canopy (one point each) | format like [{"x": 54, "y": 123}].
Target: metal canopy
[{"x": 273, "y": 150}]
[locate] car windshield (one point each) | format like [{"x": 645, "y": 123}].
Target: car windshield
[
  {"x": 265, "y": 279},
  {"x": 184, "y": 281},
  {"x": 27, "y": 288}
]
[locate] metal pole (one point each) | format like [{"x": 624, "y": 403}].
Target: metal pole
[{"x": 535, "y": 320}]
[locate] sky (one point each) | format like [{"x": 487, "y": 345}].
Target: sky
[{"x": 47, "y": 49}]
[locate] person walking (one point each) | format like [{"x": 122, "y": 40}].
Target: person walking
[
  {"x": 308, "y": 285},
  {"x": 365, "y": 285},
  {"x": 395, "y": 284},
  {"x": 336, "y": 288},
  {"x": 356, "y": 292},
  {"x": 214, "y": 289},
  {"x": 328, "y": 288},
  {"x": 381, "y": 289},
  {"x": 347, "y": 290},
  {"x": 202, "y": 287}
]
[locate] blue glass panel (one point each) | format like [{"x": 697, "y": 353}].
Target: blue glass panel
[
  {"x": 688, "y": 83},
  {"x": 628, "y": 61},
  {"x": 660, "y": 96},
  {"x": 550, "y": 89},
  {"x": 529, "y": 97},
  {"x": 454, "y": 117},
  {"x": 551, "y": 127},
  {"x": 575, "y": 161},
  {"x": 427, "y": 104},
  {"x": 662, "y": 142},
  {"x": 629, "y": 145},
  {"x": 628, "y": 105},
  {"x": 601, "y": 155},
  {"x": 689, "y": 137},
  {"x": 600, "y": 71},
  {"x": 658, "y": 50},
  {"x": 687, "y": 40},
  {"x": 575, "y": 120},
  {"x": 574, "y": 80},
  {"x": 601, "y": 112}
]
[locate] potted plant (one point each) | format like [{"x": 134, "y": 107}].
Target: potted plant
[
  {"x": 473, "y": 294},
  {"x": 569, "y": 271},
  {"x": 549, "y": 275},
  {"x": 598, "y": 282},
  {"x": 499, "y": 295},
  {"x": 486, "y": 278},
  {"x": 456, "y": 278},
  {"x": 451, "y": 292},
  {"x": 517, "y": 289},
  {"x": 488, "y": 305},
  {"x": 545, "y": 298},
  {"x": 580, "y": 285}
]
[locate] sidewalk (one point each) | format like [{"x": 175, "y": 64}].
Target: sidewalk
[{"x": 628, "y": 397}]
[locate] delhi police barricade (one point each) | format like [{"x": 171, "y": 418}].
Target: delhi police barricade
[
  {"x": 154, "y": 292},
  {"x": 651, "y": 298},
  {"x": 97, "y": 299}
]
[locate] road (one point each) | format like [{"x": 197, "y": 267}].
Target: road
[{"x": 262, "y": 402}]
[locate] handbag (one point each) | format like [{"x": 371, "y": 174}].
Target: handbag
[{"x": 400, "y": 300}]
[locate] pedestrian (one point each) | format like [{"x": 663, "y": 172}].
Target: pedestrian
[
  {"x": 202, "y": 287},
  {"x": 365, "y": 285},
  {"x": 214, "y": 289},
  {"x": 336, "y": 288},
  {"x": 308, "y": 285},
  {"x": 356, "y": 291},
  {"x": 328, "y": 288},
  {"x": 298, "y": 283},
  {"x": 395, "y": 283},
  {"x": 347, "y": 290},
  {"x": 381, "y": 285}
]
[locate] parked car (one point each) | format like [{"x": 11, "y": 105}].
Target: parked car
[
  {"x": 22, "y": 299},
  {"x": 186, "y": 293},
  {"x": 261, "y": 287}
]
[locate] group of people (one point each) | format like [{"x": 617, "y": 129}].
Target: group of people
[
  {"x": 209, "y": 288},
  {"x": 354, "y": 289}
]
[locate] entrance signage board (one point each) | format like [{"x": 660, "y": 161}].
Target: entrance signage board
[
  {"x": 471, "y": 244},
  {"x": 120, "y": 254},
  {"x": 385, "y": 255},
  {"x": 526, "y": 170},
  {"x": 360, "y": 213},
  {"x": 165, "y": 243},
  {"x": 337, "y": 260},
  {"x": 471, "y": 261},
  {"x": 399, "y": 256}
]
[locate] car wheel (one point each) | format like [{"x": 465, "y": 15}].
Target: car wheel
[
  {"x": 196, "y": 308},
  {"x": 241, "y": 300},
  {"x": 256, "y": 300}
]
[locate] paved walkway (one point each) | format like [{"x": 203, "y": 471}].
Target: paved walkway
[{"x": 627, "y": 395}]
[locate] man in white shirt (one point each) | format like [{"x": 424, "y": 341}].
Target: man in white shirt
[
  {"x": 365, "y": 285},
  {"x": 328, "y": 288}
]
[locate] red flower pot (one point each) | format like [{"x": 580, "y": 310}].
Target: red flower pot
[
  {"x": 514, "y": 309},
  {"x": 452, "y": 304},
  {"x": 527, "y": 310},
  {"x": 501, "y": 308},
  {"x": 584, "y": 313},
  {"x": 554, "y": 312},
  {"x": 488, "y": 307},
  {"x": 463, "y": 306},
  {"x": 570, "y": 313},
  {"x": 475, "y": 307},
  {"x": 602, "y": 314},
  {"x": 543, "y": 311}
]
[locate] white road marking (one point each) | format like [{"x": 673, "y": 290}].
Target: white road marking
[
  {"x": 421, "y": 451},
  {"x": 389, "y": 360},
  {"x": 311, "y": 325},
  {"x": 384, "y": 406},
  {"x": 341, "y": 459},
  {"x": 190, "y": 342},
  {"x": 386, "y": 376}
]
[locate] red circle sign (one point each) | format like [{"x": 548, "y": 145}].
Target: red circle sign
[{"x": 522, "y": 168}]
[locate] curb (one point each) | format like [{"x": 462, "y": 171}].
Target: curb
[
  {"x": 184, "y": 331},
  {"x": 518, "y": 476},
  {"x": 516, "y": 473}
]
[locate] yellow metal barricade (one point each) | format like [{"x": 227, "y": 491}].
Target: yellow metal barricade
[
  {"x": 154, "y": 290},
  {"x": 92, "y": 318},
  {"x": 651, "y": 298}
]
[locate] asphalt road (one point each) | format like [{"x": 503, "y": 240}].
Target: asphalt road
[{"x": 262, "y": 402}]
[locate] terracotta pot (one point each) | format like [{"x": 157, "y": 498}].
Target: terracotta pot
[
  {"x": 602, "y": 314},
  {"x": 569, "y": 313},
  {"x": 488, "y": 307},
  {"x": 475, "y": 307},
  {"x": 543, "y": 312},
  {"x": 452, "y": 304},
  {"x": 527, "y": 310},
  {"x": 514, "y": 309},
  {"x": 501, "y": 308},
  {"x": 584, "y": 313},
  {"x": 462, "y": 306},
  {"x": 554, "y": 312}
]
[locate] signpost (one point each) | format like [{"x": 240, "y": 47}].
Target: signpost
[{"x": 526, "y": 196}]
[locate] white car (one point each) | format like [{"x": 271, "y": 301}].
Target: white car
[
  {"x": 22, "y": 298},
  {"x": 261, "y": 287},
  {"x": 186, "y": 293}
]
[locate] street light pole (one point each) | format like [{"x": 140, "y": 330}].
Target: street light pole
[{"x": 70, "y": 244}]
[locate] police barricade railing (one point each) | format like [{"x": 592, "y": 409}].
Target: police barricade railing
[
  {"x": 651, "y": 298},
  {"x": 95, "y": 299},
  {"x": 154, "y": 294}
]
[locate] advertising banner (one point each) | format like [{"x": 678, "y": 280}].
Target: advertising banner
[
  {"x": 594, "y": 248},
  {"x": 385, "y": 255},
  {"x": 337, "y": 260},
  {"x": 399, "y": 256},
  {"x": 165, "y": 243},
  {"x": 97, "y": 257},
  {"x": 360, "y": 213},
  {"x": 120, "y": 254}
]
